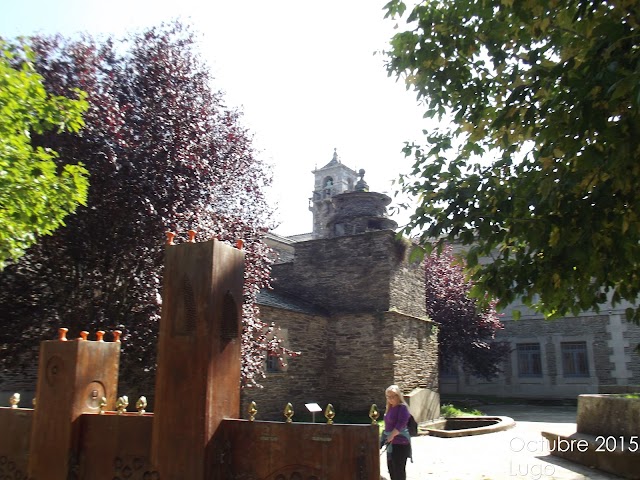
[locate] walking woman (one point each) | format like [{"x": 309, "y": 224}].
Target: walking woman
[{"x": 396, "y": 435}]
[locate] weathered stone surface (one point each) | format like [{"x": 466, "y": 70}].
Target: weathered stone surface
[
  {"x": 346, "y": 360},
  {"x": 350, "y": 274},
  {"x": 609, "y": 416},
  {"x": 368, "y": 328},
  {"x": 359, "y": 212},
  {"x": 610, "y": 341}
]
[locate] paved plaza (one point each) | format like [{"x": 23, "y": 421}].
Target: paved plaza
[{"x": 518, "y": 453}]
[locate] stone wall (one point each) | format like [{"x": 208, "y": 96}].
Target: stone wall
[
  {"x": 631, "y": 333},
  {"x": 344, "y": 275},
  {"x": 362, "y": 357},
  {"x": 415, "y": 348},
  {"x": 613, "y": 364},
  {"x": 407, "y": 283},
  {"x": 348, "y": 361},
  {"x": 360, "y": 204},
  {"x": 591, "y": 329},
  {"x": 345, "y": 360},
  {"x": 303, "y": 380}
]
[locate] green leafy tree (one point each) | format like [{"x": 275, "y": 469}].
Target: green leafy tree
[
  {"x": 35, "y": 195},
  {"x": 539, "y": 167}
]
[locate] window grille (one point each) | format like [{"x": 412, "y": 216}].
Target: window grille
[
  {"x": 575, "y": 360},
  {"x": 529, "y": 360}
]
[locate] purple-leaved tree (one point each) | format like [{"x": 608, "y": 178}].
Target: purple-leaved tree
[
  {"x": 164, "y": 153},
  {"x": 466, "y": 332}
]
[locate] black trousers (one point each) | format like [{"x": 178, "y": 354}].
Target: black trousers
[{"x": 397, "y": 461}]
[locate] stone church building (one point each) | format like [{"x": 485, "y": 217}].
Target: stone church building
[{"x": 349, "y": 300}]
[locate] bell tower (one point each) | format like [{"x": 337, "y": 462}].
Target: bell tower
[{"x": 331, "y": 180}]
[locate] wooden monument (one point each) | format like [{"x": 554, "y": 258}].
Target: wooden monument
[
  {"x": 74, "y": 378},
  {"x": 80, "y": 431},
  {"x": 198, "y": 380}
]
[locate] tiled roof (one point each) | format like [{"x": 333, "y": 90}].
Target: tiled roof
[
  {"x": 301, "y": 237},
  {"x": 271, "y": 299}
]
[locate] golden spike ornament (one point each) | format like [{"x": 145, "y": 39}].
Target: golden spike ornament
[
  {"x": 141, "y": 404},
  {"x": 121, "y": 404},
  {"x": 329, "y": 414},
  {"x": 102, "y": 405},
  {"x": 253, "y": 409},
  {"x": 374, "y": 414},
  {"x": 288, "y": 412}
]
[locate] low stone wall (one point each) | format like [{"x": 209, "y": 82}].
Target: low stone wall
[
  {"x": 609, "y": 415},
  {"x": 607, "y": 437}
]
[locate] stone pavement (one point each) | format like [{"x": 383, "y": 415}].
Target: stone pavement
[{"x": 518, "y": 453}]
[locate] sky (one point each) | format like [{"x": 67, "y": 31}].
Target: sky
[{"x": 303, "y": 73}]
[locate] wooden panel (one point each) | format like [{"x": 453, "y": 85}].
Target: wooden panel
[
  {"x": 305, "y": 451},
  {"x": 15, "y": 433},
  {"x": 72, "y": 377},
  {"x": 198, "y": 376},
  {"x": 116, "y": 446}
]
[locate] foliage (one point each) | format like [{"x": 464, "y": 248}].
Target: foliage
[
  {"x": 466, "y": 332},
  {"x": 629, "y": 395},
  {"x": 164, "y": 153},
  {"x": 539, "y": 168},
  {"x": 450, "y": 410},
  {"x": 35, "y": 196}
]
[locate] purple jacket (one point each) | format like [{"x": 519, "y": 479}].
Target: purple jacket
[{"x": 397, "y": 417}]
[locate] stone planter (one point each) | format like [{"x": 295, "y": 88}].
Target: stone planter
[
  {"x": 607, "y": 437},
  {"x": 609, "y": 415}
]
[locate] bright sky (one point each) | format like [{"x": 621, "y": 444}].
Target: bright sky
[{"x": 304, "y": 73}]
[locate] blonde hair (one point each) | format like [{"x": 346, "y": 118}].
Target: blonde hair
[{"x": 395, "y": 389}]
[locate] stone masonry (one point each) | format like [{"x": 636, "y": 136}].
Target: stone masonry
[
  {"x": 354, "y": 307},
  {"x": 614, "y": 365}
]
